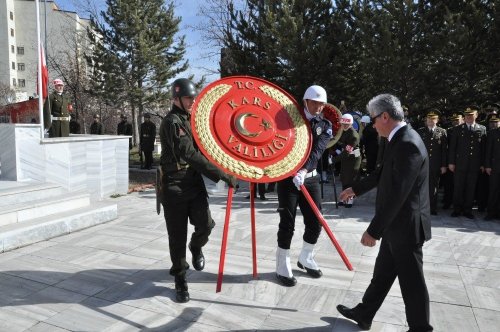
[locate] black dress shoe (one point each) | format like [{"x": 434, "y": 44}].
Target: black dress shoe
[
  {"x": 263, "y": 198},
  {"x": 285, "y": 281},
  {"x": 348, "y": 206},
  {"x": 340, "y": 203},
  {"x": 469, "y": 215},
  {"x": 311, "y": 272},
  {"x": 181, "y": 289},
  {"x": 198, "y": 258},
  {"x": 455, "y": 214},
  {"x": 351, "y": 314}
]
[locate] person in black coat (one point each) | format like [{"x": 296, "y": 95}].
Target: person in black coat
[
  {"x": 401, "y": 220},
  {"x": 96, "y": 126},
  {"x": 147, "y": 135},
  {"x": 492, "y": 168}
]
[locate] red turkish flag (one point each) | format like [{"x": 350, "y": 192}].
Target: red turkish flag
[{"x": 45, "y": 75}]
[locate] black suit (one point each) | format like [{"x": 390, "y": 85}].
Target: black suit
[{"x": 402, "y": 220}]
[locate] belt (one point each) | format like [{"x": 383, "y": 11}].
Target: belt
[
  {"x": 311, "y": 174},
  {"x": 61, "y": 118}
]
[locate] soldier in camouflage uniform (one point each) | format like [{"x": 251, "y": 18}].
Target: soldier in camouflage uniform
[
  {"x": 184, "y": 195},
  {"x": 436, "y": 143}
]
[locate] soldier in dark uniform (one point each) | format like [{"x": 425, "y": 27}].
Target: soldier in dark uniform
[
  {"x": 56, "y": 111},
  {"x": 369, "y": 143},
  {"x": 74, "y": 126},
  {"x": 457, "y": 119},
  {"x": 465, "y": 159},
  {"x": 349, "y": 154},
  {"x": 125, "y": 128},
  {"x": 289, "y": 195},
  {"x": 147, "y": 135},
  {"x": 96, "y": 126},
  {"x": 492, "y": 168},
  {"x": 184, "y": 195},
  {"x": 436, "y": 143}
]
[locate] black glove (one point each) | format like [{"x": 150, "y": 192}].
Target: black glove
[{"x": 230, "y": 180}]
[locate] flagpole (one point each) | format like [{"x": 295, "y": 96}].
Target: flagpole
[{"x": 40, "y": 83}]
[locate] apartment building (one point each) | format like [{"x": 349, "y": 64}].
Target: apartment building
[{"x": 64, "y": 35}]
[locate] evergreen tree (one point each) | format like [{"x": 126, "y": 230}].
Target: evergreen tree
[{"x": 136, "y": 54}]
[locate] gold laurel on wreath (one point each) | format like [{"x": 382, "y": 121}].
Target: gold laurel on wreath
[
  {"x": 302, "y": 138},
  {"x": 202, "y": 127}
]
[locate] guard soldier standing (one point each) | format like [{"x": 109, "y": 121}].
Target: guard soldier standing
[
  {"x": 349, "y": 154},
  {"x": 96, "y": 126},
  {"x": 436, "y": 143},
  {"x": 465, "y": 159},
  {"x": 56, "y": 111},
  {"x": 147, "y": 135},
  {"x": 125, "y": 128},
  {"x": 369, "y": 143},
  {"x": 456, "y": 119},
  {"x": 184, "y": 195},
  {"x": 492, "y": 168},
  {"x": 289, "y": 195}
]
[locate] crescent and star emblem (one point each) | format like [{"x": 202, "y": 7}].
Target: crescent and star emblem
[{"x": 240, "y": 125}]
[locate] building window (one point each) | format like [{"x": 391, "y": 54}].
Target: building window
[
  {"x": 20, "y": 50},
  {"x": 14, "y": 82},
  {"x": 20, "y": 66},
  {"x": 12, "y": 49},
  {"x": 13, "y": 65},
  {"x": 11, "y": 15},
  {"x": 12, "y": 32},
  {"x": 22, "y": 83}
]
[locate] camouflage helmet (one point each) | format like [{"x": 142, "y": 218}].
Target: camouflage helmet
[{"x": 182, "y": 87}]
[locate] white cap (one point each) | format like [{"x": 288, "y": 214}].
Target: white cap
[
  {"x": 346, "y": 119},
  {"x": 365, "y": 119},
  {"x": 58, "y": 81},
  {"x": 315, "y": 92}
]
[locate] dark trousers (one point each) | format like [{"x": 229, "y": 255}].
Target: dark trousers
[
  {"x": 482, "y": 191},
  {"x": 447, "y": 179},
  {"x": 434, "y": 187},
  {"x": 178, "y": 209},
  {"x": 494, "y": 197},
  {"x": 288, "y": 199},
  {"x": 464, "y": 189},
  {"x": 148, "y": 159},
  {"x": 403, "y": 261}
]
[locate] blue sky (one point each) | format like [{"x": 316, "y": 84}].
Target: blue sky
[{"x": 195, "y": 52}]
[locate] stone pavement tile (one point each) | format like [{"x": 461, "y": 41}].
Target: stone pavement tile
[
  {"x": 13, "y": 287},
  {"x": 285, "y": 319},
  {"x": 449, "y": 317},
  {"x": 345, "y": 325},
  {"x": 480, "y": 277},
  {"x": 45, "y": 303},
  {"x": 63, "y": 252},
  {"x": 484, "y": 297},
  {"x": 230, "y": 314},
  {"x": 29, "y": 249},
  {"x": 488, "y": 320},
  {"x": 44, "y": 327},
  {"x": 263, "y": 291},
  {"x": 156, "y": 249},
  {"x": 446, "y": 290},
  {"x": 13, "y": 321},
  {"x": 361, "y": 280},
  {"x": 46, "y": 271},
  {"x": 110, "y": 243},
  {"x": 129, "y": 232},
  {"x": 439, "y": 251}
]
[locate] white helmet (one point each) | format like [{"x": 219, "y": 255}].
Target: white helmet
[
  {"x": 315, "y": 92},
  {"x": 346, "y": 119},
  {"x": 365, "y": 119}
]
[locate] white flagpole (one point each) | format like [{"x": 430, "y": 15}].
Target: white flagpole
[{"x": 40, "y": 83}]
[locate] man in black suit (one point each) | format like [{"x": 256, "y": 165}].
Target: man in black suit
[{"x": 402, "y": 218}]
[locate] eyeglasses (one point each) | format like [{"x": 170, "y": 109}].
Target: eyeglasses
[{"x": 372, "y": 119}]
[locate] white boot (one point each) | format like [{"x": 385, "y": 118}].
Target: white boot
[
  {"x": 284, "y": 268},
  {"x": 307, "y": 262}
]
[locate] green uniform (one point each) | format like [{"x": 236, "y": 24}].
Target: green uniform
[
  {"x": 56, "y": 117},
  {"x": 350, "y": 157},
  {"x": 184, "y": 195},
  {"x": 436, "y": 143}
]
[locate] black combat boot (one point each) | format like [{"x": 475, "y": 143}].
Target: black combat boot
[
  {"x": 181, "y": 289},
  {"x": 198, "y": 258}
]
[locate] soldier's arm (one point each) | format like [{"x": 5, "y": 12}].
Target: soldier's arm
[{"x": 318, "y": 148}]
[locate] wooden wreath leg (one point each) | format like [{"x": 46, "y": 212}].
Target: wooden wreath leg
[
  {"x": 325, "y": 226},
  {"x": 252, "y": 218},
  {"x": 224, "y": 239}
]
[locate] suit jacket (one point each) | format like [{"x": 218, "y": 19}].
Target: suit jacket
[
  {"x": 402, "y": 209},
  {"x": 466, "y": 150}
]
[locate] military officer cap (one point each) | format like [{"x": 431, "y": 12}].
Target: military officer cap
[
  {"x": 457, "y": 115},
  {"x": 471, "y": 109},
  {"x": 96, "y": 116},
  {"x": 491, "y": 107},
  {"x": 147, "y": 115},
  {"x": 494, "y": 118},
  {"x": 433, "y": 113}
]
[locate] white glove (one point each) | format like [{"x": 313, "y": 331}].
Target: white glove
[{"x": 298, "y": 179}]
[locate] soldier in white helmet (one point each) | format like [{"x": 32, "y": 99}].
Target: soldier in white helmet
[{"x": 290, "y": 196}]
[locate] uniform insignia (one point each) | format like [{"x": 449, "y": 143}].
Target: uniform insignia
[
  {"x": 182, "y": 132},
  {"x": 319, "y": 131},
  {"x": 329, "y": 132}
]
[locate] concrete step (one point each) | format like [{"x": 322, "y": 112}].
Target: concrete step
[
  {"x": 12, "y": 192},
  {"x": 42, "y": 206},
  {"x": 17, "y": 235}
]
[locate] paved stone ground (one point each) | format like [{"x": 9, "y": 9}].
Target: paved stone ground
[{"x": 114, "y": 277}]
